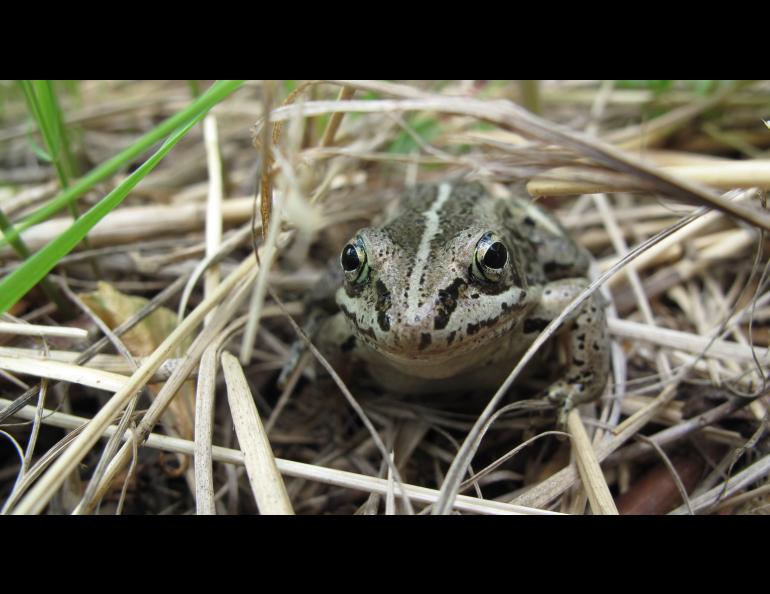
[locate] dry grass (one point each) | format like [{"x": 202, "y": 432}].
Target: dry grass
[{"x": 672, "y": 210}]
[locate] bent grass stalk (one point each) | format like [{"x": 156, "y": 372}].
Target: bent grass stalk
[
  {"x": 211, "y": 97},
  {"x": 21, "y": 280}
]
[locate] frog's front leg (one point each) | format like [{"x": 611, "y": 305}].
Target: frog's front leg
[
  {"x": 585, "y": 336},
  {"x": 335, "y": 340}
]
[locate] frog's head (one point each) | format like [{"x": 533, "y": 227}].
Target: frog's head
[{"x": 436, "y": 284}]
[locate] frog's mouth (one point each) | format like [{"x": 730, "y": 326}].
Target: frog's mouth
[{"x": 445, "y": 354}]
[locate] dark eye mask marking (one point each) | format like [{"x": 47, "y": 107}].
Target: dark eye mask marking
[
  {"x": 354, "y": 290},
  {"x": 382, "y": 305},
  {"x": 352, "y": 317},
  {"x": 534, "y": 325},
  {"x": 447, "y": 303},
  {"x": 383, "y": 320}
]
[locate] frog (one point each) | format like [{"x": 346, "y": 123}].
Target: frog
[{"x": 453, "y": 287}]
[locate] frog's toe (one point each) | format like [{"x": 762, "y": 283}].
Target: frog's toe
[
  {"x": 562, "y": 395},
  {"x": 565, "y": 395}
]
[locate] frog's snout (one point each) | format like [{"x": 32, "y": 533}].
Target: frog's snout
[
  {"x": 412, "y": 337},
  {"x": 414, "y": 334}
]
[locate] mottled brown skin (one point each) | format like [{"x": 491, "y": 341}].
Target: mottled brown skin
[{"x": 422, "y": 319}]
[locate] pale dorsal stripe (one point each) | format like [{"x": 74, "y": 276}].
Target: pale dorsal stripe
[{"x": 421, "y": 257}]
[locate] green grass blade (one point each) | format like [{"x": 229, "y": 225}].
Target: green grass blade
[
  {"x": 195, "y": 88},
  {"x": 57, "y": 123},
  {"x": 50, "y": 123},
  {"x": 17, "y": 244},
  {"x": 39, "y": 104},
  {"x": 42, "y": 104},
  {"x": 216, "y": 93},
  {"x": 29, "y": 97},
  {"x": 34, "y": 109},
  {"x": 28, "y": 89},
  {"x": 21, "y": 280},
  {"x": 49, "y": 289}
]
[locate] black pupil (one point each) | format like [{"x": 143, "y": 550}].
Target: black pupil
[
  {"x": 349, "y": 259},
  {"x": 496, "y": 256}
]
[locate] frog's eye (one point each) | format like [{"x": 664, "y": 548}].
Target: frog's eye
[
  {"x": 353, "y": 261},
  {"x": 490, "y": 258}
]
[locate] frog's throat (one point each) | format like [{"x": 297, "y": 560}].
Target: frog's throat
[{"x": 439, "y": 365}]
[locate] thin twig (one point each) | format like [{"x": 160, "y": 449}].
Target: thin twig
[{"x": 329, "y": 476}]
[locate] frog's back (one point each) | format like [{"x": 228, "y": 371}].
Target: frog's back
[{"x": 544, "y": 248}]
